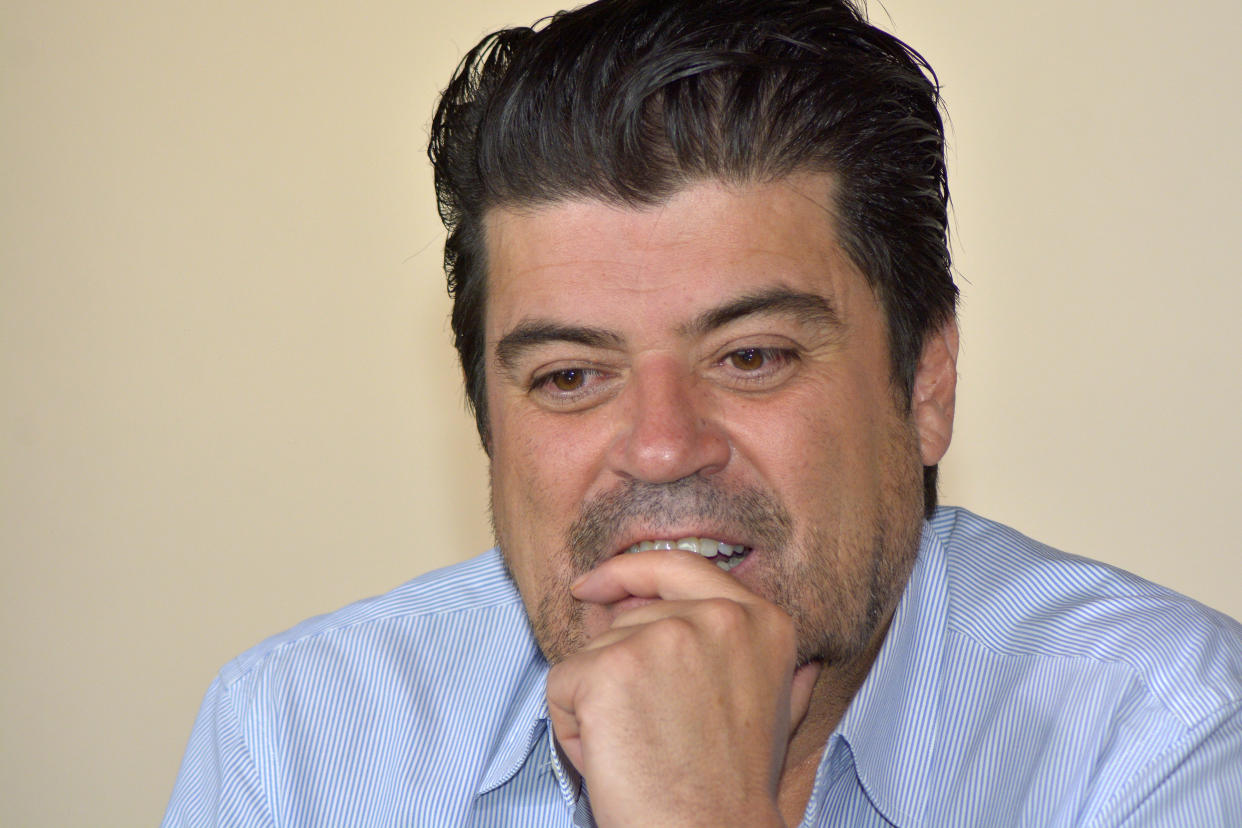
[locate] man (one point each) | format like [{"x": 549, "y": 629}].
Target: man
[{"x": 703, "y": 304}]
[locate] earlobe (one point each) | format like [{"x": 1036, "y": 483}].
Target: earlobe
[{"x": 935, "y": 392}]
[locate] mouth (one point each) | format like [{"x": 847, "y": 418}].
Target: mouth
[{"x": 724, "y": 555}]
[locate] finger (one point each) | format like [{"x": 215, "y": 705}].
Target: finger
[
  {"x": 565, "y": 727},
  {"x": 611, "y": 636},
  {"x": 673, "y": 574},
  {"x": 655, "y": 611},
  {"x": 800, "y": 690},
  {"x": 631, "y": 621}
]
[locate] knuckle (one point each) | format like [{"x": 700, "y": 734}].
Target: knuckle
[
  {"x": 784, "y": 633},
  {"x": 561, "y": 687},
  {"x": 675, "y": 633},
  {"x": 781, "y": 623},
  {"x": 623, "y": 660},
  {"x": 725, "y": 614},
  {"x": 777, "y": 628},
  {"x": 556, "y": 674}
]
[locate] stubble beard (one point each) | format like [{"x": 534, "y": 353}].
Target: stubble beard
[
  {"x": 844, "y": 591},
  {"x": 839, "y": 587}
]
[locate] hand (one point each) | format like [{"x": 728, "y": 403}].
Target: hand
[{"x": 680, "y": 713}]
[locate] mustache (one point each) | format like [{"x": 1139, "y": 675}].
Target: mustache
[{"x": 746, "y": 512}]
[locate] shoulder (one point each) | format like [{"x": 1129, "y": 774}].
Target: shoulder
[
  {"x": 1112, "y": 693},
  {"x": 394, "y": 699},
  {"x": 1015, "y": 596},
  {"x": 435, "y": 613}
]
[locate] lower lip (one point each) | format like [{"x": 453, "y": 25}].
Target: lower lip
[
  {"x": 634, "y": 602},
  {"x": 744, "y": 565}
]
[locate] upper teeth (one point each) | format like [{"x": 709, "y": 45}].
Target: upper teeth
[{"x": 727, "y": 555}]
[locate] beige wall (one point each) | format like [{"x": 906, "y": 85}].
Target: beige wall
[{"x": 228, "y": 401}]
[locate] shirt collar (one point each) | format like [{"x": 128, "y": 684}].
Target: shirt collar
[
  {"x": 525, "y": 736},
  {"x": 887, "y": 725},
  {"x": 524, "y": 722}
]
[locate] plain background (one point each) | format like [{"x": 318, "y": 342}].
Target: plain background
[{"x": 229, "y": 400}]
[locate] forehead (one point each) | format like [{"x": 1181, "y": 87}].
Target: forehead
[{"x": 707, "y": 243}]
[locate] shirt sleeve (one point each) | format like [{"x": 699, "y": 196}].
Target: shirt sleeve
[
  {"x": 218, "y": 784},
  {"x": 1198, "y": 781}
]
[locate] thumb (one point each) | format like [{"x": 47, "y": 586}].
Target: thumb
[
  {"x": 800, "y": 692},
  {"x": 563, "y": 687},
  {"x": 567, "y": 735}
]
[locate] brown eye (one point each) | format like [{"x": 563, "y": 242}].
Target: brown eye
[
  {"x": 568, "y": 380},
  {"x": 749, "y": 359}
]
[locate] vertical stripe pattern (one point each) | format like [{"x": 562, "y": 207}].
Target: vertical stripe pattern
[{"x": 1017, "y": 686}]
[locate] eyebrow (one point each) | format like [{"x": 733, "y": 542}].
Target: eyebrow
[
  {"x": 806, "y": 308},
  {"x": 534, "y": 333}
]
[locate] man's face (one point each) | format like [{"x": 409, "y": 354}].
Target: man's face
[{"x": 713, "y": 367}]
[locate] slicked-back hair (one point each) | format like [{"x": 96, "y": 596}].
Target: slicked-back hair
[{"x": 630, "y": 101}]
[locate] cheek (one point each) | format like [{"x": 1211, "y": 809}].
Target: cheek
[
  {"x": 538, "y": 464},
  {"x": 821, "y": 451},
  {"x": 791, "y": 435},
  {"x": 558, "y": 451},
  {"x": 517, "y": 498},
  {"x": 540, "y": 475}
]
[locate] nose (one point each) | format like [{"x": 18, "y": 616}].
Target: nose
[{"x": 670, "y": 427}]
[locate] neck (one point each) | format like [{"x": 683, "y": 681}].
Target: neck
[{"x": 834, "y": 690}]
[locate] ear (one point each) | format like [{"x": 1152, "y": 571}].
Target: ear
[{"x": 935, "y": 393}]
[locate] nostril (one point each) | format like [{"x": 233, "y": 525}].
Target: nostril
[
  {"x": 671, "y": 449},
  {"x": 670, "y": 431}
]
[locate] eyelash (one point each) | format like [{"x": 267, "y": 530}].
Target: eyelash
[
  {"x": 775, "y": 360},
  {"x": 547, "y": 382}
]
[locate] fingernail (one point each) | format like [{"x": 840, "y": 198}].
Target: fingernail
[{"x": 579, "y": 581}]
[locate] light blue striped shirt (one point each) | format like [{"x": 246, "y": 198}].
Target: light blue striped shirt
[{"x": 1017, "y": 686}]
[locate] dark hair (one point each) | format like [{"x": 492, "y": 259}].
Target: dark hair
[{"x": 629, "y": 101}]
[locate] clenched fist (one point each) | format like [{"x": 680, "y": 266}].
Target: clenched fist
[{"x": 679, "y": 714}]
